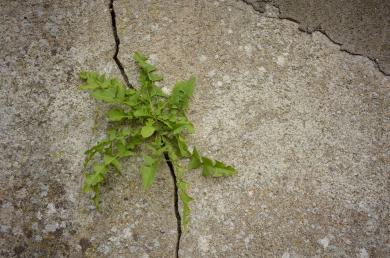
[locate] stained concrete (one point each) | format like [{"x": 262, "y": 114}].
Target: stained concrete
[
  {"x": 360, "y": 27},
  {"x": 306, "y": 125},
  {"x": 46, "y": 124}
]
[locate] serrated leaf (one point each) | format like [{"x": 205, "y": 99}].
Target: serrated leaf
[
  {"x": 148, "y": 171},
  {"x": 117, "y": 114},
  {"x": 207, "y": 167},
  {"x": 132, "y": 101},
  {"x": 186, "y": 199},
  {"x": 95, "y": 178},
  {"x": 141, "y": 61},
  {"x": 107, "y": 95},
  {"x": 183, "y": 148},
  {"x": 182, "y": 93},
  {"x": 142, "y": 111},
  {"x": 222, "y": 170},
  {"x": 216, "y": 168},
  {"x": 98, "y": 148},
  {"x": 196, "y": 160}
]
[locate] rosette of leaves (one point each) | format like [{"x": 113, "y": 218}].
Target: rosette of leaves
[{"x": 149, "y": 122}]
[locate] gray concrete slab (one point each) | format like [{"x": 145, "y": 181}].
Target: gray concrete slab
[
  {"x": 306, "y": 124},
  {"x": 360, "y": 27},
  {"x": 46, "y": 124}
]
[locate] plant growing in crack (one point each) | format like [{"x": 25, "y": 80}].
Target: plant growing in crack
[{"x": 148, "y": 120}]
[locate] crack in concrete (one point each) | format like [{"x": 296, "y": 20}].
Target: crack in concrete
[
  {"x": 377, "y": 66},
  {"x": 117, "y": 43},
  {"x": 177, "y": 213},
  {"x": 167, "y": 159}
]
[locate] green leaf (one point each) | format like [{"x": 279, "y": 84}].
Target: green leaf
[
  {"x": 108, "y": 159},
  {"x": 155, "y": 77},
  {"x": 222, "y": 170},
  {"x": 216, "y": 168},
  {"x": 148, "y": 129},
  {"x": 123, "y": 151},
  {"x": 107, "y": 95},
  {"x": 207, "y": 167},
  {"x": 143, "y": 111},
  {"x": 94, "y": 179},
  {"x": 89, "y": 86},
  {"x": 182, "y": 93},
  {"x": 186, "y": 199},
  {"x": 183, "y": 148},
  {"x": 117, "y": 165},
  {"x": 117, "y": 114},
  {"x": 181, "y": 125},
  {"x": 99, "y": 169},
  {"x": 141, "y": 61},
  {"x": 134, "y": 142},
  {"x": 93, "y": 80},
  {"x": 132, "y": 100},
  {"x": 148, "y": 171},
  {"x": 98, "y": 148},
  {"x": 196, "y": 160}
]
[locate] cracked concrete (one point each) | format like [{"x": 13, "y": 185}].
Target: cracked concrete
[
  {"x": 306, "y": 124},
  {"x": 46, "y": 125},
  {"x": 360, "y": 27}
]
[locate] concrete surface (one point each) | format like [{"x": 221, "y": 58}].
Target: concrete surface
[
  {"x": 359, "y": 26},
  {"x": 46, "y": 124},
  {"x": 305, "y": 124}
]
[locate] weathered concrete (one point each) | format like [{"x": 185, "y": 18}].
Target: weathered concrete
[
  {"x": 306, "y": 124},
  {"x": 360, "y": 27},
  {"x": 46, "y": 124}
]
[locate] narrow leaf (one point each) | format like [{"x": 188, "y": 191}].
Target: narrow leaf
[
  {"x": 181, "y": 93},
  {"x": 196, "y": 160},
  {"x": 183, "y": 148},
  {"x": 148, "y": 171},
  {"x": 216, "y": 168}
]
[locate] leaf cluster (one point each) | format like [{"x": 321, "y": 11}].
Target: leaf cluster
[{"x": 146, "y": 121}]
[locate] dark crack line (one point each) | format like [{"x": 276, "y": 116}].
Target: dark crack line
[
  {"x": 176, "y": 196},
  {"x": 170, "y": 165},
  {"x": 375, "y": 61},
  {"x": 117, "y": 43}
]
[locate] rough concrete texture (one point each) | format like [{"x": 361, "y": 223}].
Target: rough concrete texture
[
  {"x": 307, "y": 126},
  {"x": 360, "y": 27},
  {"x": 46, "y": 124}
]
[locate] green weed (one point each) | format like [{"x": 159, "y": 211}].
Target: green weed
[{"x": 145, "y": 120}]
